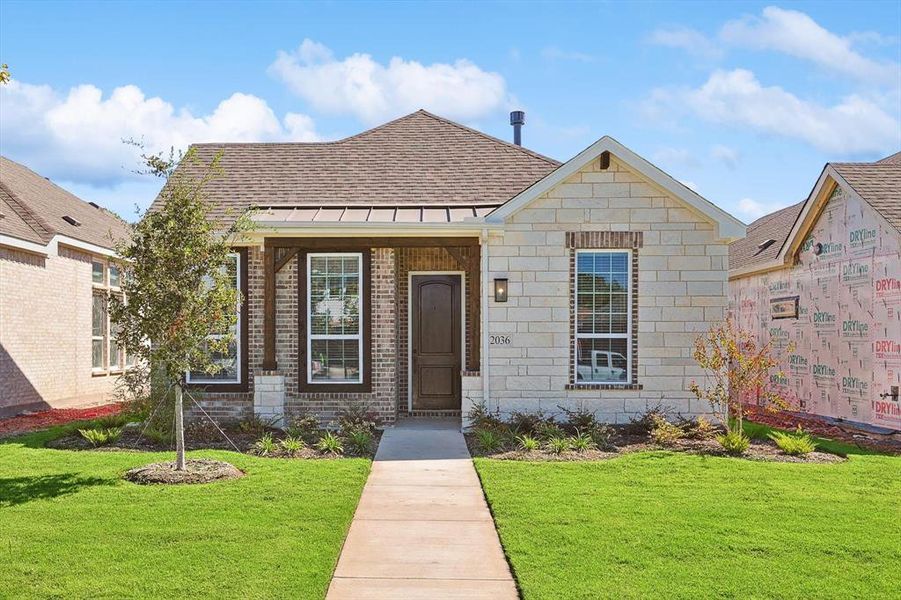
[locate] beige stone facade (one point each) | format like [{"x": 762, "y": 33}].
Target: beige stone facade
[{"x": 45, "y": 332}]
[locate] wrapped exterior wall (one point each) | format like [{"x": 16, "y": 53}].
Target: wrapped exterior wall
[{"x": 847, "y": 335}]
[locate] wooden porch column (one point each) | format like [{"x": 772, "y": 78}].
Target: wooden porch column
[
  {"x": 475, "y": 278},
  {"x": 269, "y": 363}
]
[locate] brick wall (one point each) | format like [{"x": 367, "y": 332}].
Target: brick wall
[
  {"x": 682, "y": 273},
  {"x": 45, "y": 332}
]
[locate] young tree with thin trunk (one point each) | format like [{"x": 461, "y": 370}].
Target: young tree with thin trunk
[{"x": 178, "y": 311}]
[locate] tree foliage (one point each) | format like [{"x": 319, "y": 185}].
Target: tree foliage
[{"x": 738, "y": 368}]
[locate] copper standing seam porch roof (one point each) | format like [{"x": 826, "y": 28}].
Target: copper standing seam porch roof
[{"x": 418, "y": 168}]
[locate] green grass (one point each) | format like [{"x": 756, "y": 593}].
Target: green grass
[
  {"x": 70, "y": 527},
  {"x": 667, "y": 525},
  {"x": 760, "y": 432}
]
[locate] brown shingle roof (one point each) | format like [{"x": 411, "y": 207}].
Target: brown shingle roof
[
  {"x": 33, "y": 208},
  {"x": 775, "y": 226},
  {"x": 878, "y": 184},
  {"x": 420, "y": 159}
]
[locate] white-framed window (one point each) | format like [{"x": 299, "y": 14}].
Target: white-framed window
[
  {"x": 335, "y": 318},
  {"x": 230, "y": 360},
  {"x": 603, "y": 319},
  {"x": 106, "y": 354}
]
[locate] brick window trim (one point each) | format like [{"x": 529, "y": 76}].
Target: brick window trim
[{"x": 603, "y": 240}]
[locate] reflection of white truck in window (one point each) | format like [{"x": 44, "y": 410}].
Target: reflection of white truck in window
[{"x": 605, "y": 366}]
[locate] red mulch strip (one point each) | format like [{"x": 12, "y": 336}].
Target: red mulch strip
[
  {"x": 818, "y": 427},
  {"x": 53, "y": 417}
]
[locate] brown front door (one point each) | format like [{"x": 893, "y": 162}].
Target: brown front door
[{"x": 437, "y": 356}]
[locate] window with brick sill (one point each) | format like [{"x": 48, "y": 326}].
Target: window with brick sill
[{"x": 604, "y": 313}]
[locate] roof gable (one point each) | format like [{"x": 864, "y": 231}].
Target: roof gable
[
  {"x": 38, "y": 209},
  {"x": 727, "y": 225},
  {"x": 420, "y": 159}
]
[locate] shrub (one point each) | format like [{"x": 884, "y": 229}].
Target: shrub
[
  {"x": 489, "y": 439},
  {"x": 644, "y": 423},
  {"x": 528, "y": 443},
  {"x": 292, "y": 445},
  {"x": 111, "y": 421},
  {"x": 581, "y": 442},
  {"x": 256, "y": 424},
  {"x": 330, "y": 443},
  {"x": 558, "y": 445},
  {"x": 100, "y": 436},
  {"x": 697, "y": 429},
  {"x": 665, "y": 433},
  {"x": 796, "y": 444},
  {"x": 158, "y": 435},
  {"x": 360, "y": 441},
  {"x": 734, "y": 442},
  {"x": 355, "y": 416},
  {"x": 265, "y": 445},
  {"x": 528, "y": 423},
  {"x": 580, "y": 420},
  {"x": 602, "y": 436},
  {"x": 305, "y": 428},
  {"x": 479, "y": 417},
  {"x": 549, "y": 430}
]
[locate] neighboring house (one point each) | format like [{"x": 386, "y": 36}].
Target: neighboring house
[
  {"x": 825, "y": 276},
  {"x": 422, "y": 266},
  {"x": 56, "y": 347}
]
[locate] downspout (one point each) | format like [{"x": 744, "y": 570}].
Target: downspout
[{"x": 484, "y": 317}]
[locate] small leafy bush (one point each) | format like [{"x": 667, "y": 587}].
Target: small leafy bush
[
  {"x": 330, "y": 443},
  {"x": 558, "y": 445},
  {"x": 580, "y": 420},
  {"x": 292, "y": 445},
  {"x": 265, "y": 445},
  {"x": 528, "y": 423},
  {"x": 101, "y": 436},
  {"x": 112, "y": 421},
  {"x": 643, "y": 424},
  {"x": 305, "y": 428},
  {"x": 602, "y": 436},
  {"x": 255, "y": 424},
  {"x": 665, "y": 433},
  {"x": 795, "y": 444},
  {"x": 355, "y": 416},
  {"x": 479, "y": 417},
  {"x": 697, "y": 429},
  {"x": 158, "y": 435},
  {"x": 581, "y": 442},
  {"x": 528, "y": 443},
  {"x": 549, "y": 431},
  {"x": 734, "y": 442},
  {"x": 489, "y": 439},
  {"x": 359, "y": 441}
]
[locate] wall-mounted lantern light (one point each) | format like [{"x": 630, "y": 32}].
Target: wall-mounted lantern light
[{"x": 500, "y": 290}]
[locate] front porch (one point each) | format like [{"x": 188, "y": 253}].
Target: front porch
[{"x": 419, "y": 316}]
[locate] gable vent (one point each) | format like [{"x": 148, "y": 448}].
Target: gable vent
[
  {"x": 765, "y": 244},
  {"x": 94, "y": 204},
  {"x": 72, "y": 221}
]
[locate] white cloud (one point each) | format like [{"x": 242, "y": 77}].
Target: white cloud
[
  {"x": 726, "y": 155},
  {"x": 752, "y": 209},
  {"x": 555, "y": 53},
  {"x": 374, "y": 92},
  {"x": 78, "y": 136},
  {"x": 854, "y": 125},
  {"x": 795, "y": 33},
  {"x": 691, "y": 40}
]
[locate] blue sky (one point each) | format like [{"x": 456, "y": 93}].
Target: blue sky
[{"x": 743, "y": 101}]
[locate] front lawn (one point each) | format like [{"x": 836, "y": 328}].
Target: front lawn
[
  {"x": 70, "y": 527},
  {"x": 673, "y": 525}
]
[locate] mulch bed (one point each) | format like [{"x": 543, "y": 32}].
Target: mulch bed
[
  {"x": 821, "y": 428},
  {"x": 52, "y": 417},
  {"x": 196, "y": 471},
  {"x": 625, "y": 443},
  {"x": 201, "y": 438}
]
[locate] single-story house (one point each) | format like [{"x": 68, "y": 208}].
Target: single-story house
[
  {"x": 824, "y": 276},
  {"x": 422, "y": 267},
  {"x": 57, "y": 269}
]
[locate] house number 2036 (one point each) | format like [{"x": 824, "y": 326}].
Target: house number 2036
[{"x": 499, "y": 340}]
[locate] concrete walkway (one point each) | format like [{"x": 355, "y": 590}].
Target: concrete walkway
[{"x": 422, "y": 529}]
